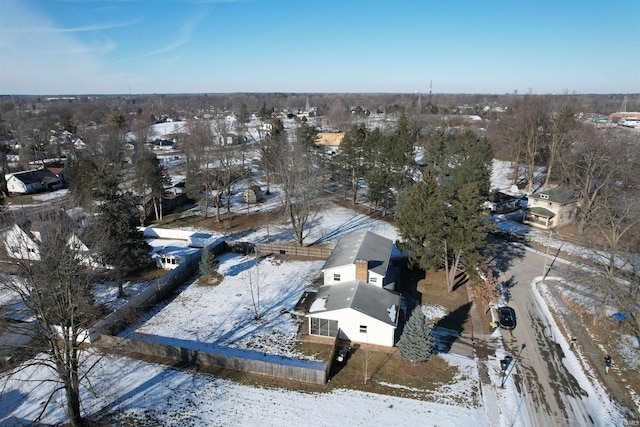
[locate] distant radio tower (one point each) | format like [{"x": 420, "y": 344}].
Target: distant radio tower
[
  {"x": 624, "y": 105},
  {"x": 430, "y": 90}
]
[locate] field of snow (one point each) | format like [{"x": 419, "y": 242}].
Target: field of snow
[{"x": 145, "y": 394}]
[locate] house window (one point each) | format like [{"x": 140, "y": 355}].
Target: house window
[
  {"x": 336, "y": 277},
  {"x": 323, "y": 327},
  {"x": 363, "y": 329},
  {"x": 373, "y": 279}
]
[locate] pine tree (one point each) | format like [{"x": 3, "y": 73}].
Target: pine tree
[
  {"x": 208, "y": 263},
  {"x": 417, "y": 343},
  {"x": 422, "y": 223}
]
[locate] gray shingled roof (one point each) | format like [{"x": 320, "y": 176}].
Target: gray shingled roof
[
  {"x": 35, "y": 176},
  {"x": 366, "y": 298},
  {"x": 557, "y": 195},
  {"x": 361, "y": 245}
]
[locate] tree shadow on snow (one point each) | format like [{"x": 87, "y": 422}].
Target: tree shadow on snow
[{"x": 448, "y": 329}]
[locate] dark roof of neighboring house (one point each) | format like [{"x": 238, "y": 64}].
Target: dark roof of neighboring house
[
  {"x": 500, "y": 197},
  {"x": 372, "y": 300},
  {"x": 557, "y": 195},
  {"x": 33, "y": 177},
  {"x": 363, "y": 245}
]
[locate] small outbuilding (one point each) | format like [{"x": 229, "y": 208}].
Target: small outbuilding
[{"x": 253, "y": 194}]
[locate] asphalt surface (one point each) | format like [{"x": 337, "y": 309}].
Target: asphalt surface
[{"x": 552, "y": 395}]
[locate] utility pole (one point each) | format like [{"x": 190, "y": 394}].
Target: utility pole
[
  {"x": 547, "y": 266},
  {"x": 506, "y": 365}
]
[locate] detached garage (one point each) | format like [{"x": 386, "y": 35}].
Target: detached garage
[{"x": 358, "y": 311}]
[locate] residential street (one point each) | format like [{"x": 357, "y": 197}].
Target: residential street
[{"x": 552, "y": 395}]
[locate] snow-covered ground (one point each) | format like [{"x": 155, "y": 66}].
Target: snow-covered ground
[{"x": 151, "y": 394}]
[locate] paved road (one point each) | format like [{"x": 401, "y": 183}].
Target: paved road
[{"x": 552, "y": 394}]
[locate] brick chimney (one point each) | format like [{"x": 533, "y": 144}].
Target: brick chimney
[{"x": 362, "y": 270}]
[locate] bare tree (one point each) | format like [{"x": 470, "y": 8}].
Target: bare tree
[
  {"x": 55, "y": 287},
  {"x": 254, "y": 283},
  {"x": 591, "y": 165},
  {"x": 224, "y": 154},
  {"x": 530, "y": 132},
  {"x": 296, "y": 167},
  {"x": 615, "y": 222},
  {"x": 200, "y": 174},
  {"x": 560, "y": 127},
  {"x": 487, "y": 291}
]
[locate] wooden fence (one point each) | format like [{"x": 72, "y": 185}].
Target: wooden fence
[
  {"x": 177, "y": 350},
  {"x": 318, "y": 252}
]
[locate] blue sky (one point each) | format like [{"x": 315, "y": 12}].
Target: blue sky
[{"x": 194, "y": 46}]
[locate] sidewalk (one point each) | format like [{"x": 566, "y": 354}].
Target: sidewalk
[
  {"x": 483, "y": 346},
  {"x": 596, "y": 357}
]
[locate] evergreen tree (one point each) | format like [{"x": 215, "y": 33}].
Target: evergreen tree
[
  {"x": 351, "y": 159},
  {"x": 469, "y": 159},
  {"x": 422, "y": 223},
  {"x": 208, "y": 263},
  {"x": 307, "y": 134},
  {"x": 125, "y": 247},
  {"x": 416, "y": 343}
]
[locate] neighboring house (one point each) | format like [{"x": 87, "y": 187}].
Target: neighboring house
[
  {"x": 330, "y": 139},
  {"x": 500, "y": 202},
  {"x": 171, "y": 201},
  {"x": 163, "y": 144},
  {"x": 362, "y": 256},
  {"x": 550, "y": 208},
  {"x": 357, "y": 311},
  {"x": 27, "y": 182},
  {"x": 23, "y": 242}
]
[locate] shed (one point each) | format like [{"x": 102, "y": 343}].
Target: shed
[{"x": 253, "y": 194}]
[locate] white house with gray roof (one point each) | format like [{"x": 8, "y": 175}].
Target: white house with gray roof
[
  {"x": 362, "y": 256},
  {"x": 358, "y": 311}
]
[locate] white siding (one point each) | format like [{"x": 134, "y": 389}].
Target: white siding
[
  {"x": 14, "y": 185},
  {"x": 20, "y": 246},
  {"x": 346, "y": 272},
  {"x": 376, "y": 279},
  {"x": 349, "y": 322}
]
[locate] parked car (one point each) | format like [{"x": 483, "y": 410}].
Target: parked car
[{"x": 507, "y": 317}]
